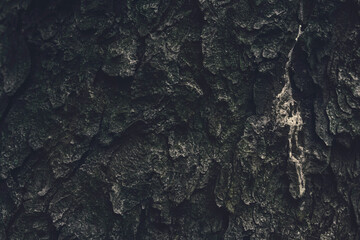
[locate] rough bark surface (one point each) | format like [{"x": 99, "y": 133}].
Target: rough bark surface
[{"x": 179, "y": 119}]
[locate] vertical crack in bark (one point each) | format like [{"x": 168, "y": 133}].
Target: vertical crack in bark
[{"x": 288, "y": 114}]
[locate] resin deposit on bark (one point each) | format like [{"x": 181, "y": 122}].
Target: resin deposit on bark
[{"x": 288, "y": 115}]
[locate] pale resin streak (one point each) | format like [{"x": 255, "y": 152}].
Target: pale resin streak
[{"x": 288, "y": 114}]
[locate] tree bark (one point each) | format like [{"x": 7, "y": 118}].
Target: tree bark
[{"x": 186, "y": 119}]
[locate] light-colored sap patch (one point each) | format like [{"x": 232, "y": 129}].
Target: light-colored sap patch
[{"x": 288, "y": 114}]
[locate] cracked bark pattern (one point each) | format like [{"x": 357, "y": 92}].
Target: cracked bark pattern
[{"x": 159, "y": 119}]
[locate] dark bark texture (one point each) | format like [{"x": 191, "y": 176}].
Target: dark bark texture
[{"x": 179, "y": 119}]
